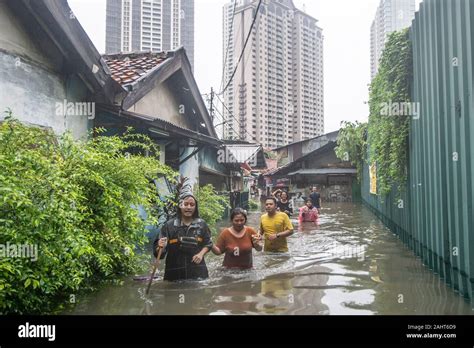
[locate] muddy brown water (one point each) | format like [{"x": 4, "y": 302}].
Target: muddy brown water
[{"x": 348, "y": 264}]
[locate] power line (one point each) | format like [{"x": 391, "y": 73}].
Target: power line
[
  {"x": 240, "y": 125},
  {"x": 228, "y": 43},
  {"x": 243, "y": 50},
  {"x": 224, "y": 121},
  {"x": 224, "y": 106}
]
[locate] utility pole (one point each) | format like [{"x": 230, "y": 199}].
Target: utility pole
[{"x": 211, "y": 109}]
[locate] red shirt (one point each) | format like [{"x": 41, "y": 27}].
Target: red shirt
[
  {"x": 238, "y": 251},
  {"x": 308, "y": 215}
]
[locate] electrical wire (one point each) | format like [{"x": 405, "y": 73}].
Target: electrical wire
[{"x": 243, "y": 50}]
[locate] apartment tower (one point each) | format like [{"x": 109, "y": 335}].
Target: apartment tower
[
  {"x": 392, "y": 15},
  {"x": 276, "y": 95},
  {"x": 150, "y": 25}
]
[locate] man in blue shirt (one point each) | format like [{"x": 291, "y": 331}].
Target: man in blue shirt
[{"x": 315, "y": 196}]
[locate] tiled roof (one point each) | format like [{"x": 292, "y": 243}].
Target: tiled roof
[
  {"x": 329, "y": 146},
  {"x": 127, "y": 68},
  {"x": 272, "y": 171}
]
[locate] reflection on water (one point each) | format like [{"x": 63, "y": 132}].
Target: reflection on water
[{"x": 347, "y": 264}]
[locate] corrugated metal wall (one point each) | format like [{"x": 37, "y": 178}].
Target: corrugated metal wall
[
  {"x": 441, "y": 149},
  {"x": 438, "y": 219},
  {"x": 394, "y": 211}
]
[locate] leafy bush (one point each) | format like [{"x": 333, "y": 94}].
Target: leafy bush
[
  {"x": 211, "y": 205},
  {"x": 388, "y": 135},
  {"x": 352, "y": 144},
  {"x": 253, "y": 205},
  {"x": 77, "y": 203},
  {"x": 384, "y": 140}
]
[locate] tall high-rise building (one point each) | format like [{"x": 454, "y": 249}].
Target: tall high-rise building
[
  {"x": 276, "y": 95},
  {"x": 150, "y": 25},
  {"x": 392, "y": 15}
]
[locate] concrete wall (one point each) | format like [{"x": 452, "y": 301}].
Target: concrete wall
[
  {"x": 211, "y": 172},
  {"x": 294, "y": 151},
  {"x": 326, "y": 160},
  {"x": 29, "y": 84},
  {"x": 190, "y": 168},
  {"x": 162, "y": 103},
  {"x": 208, "y": 160},
  {"x": 317, "y": 143}
]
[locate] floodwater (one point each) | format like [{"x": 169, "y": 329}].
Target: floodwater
[{"x": 348, "y": 264}]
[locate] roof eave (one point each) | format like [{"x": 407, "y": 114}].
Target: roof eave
[
  {"x": 155, "y": 122},
  {"x": 177, "y": 60},
  {"x": 188, "y": 74},
  {"x": 57, "y": 24}
]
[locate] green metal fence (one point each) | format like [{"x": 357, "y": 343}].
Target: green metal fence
[
  {"x": 441, "y": 151},
  {"x": 437, "y": 220},
  {"x": 393, "y": 210}
]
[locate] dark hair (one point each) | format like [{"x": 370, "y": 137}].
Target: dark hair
[
  {"x": 309, "y": 200},
  {"x": 286, "y": 193},
  {"x": 196, "y": 212},
  {"x": 273, "y": 199},
  {"x": 238, "y": 211}
]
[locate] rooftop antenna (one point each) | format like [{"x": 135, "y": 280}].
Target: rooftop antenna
[{"x": 304, "y": 8}]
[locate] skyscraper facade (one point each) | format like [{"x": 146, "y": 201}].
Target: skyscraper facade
[
  {"x": 150, "y": 25},
  {"x": 275, "y": 96},
  {"x": 392, "y": 15}
]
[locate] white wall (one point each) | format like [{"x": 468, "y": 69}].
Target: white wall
[
  {"x": 161, "y": 103},
  {"x": 29, "y": 84}
]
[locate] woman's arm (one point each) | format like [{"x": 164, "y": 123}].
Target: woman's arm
[
  {"x": 257, "y": 245},
  {"x": 219, "y": 247},
  {"x": 256, "y": 240},
  {"x": 216, "y": 251}
]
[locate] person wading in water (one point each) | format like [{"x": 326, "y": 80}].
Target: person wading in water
[
  {"x": 237, "y": 242},
  {"x": 308, "y": 213},
  {"x": 185, "y": 240},
  {"x": 315, "y": 197},
  {"x": 276, "y": 227},
  {"x": 284, "y": 205}
]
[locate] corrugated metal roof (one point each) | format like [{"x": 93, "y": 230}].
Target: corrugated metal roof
[
  {"x": 328, "y": 135},
  {"x": 242, "y": 153},
  {"x": 324, "y": 171},
  {"x": 289, "y": 166},
  {"x": 161, "y": 124},
  {"x": 251, "y": 154}
]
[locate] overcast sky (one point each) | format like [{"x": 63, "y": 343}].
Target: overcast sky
[{"x": 346, "y": 28}]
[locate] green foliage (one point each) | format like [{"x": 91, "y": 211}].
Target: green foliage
[
  {"x": 388, "y": 135},
  {"x": 211, "y": 205},
  {"x": 352, "y": 144},
  {"x": 270, "y": 155},
  {"x": 253, "y": 205},
  {"x": 77, "y": 203}
]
